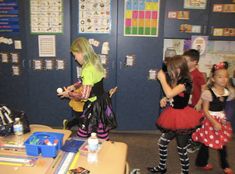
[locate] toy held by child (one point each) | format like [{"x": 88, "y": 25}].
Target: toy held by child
[
  {"x": 179, "y": 120},
  {"x": 216, "y": 130}
]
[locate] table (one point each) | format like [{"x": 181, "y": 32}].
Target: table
[
  {"x": 111, "y": 158},
  {"x": 42, "y": 164}
]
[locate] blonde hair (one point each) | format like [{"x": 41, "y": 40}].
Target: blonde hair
[{"x": 81, "y": 45}]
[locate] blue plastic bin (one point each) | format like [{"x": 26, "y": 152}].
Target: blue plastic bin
[{"x": 35, "y": 144}]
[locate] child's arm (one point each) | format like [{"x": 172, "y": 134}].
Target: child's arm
[
  {"x": 82, "y": 94},
  {"x": 169, "y": 92},
  {"x": 216, "y": 125},
  {"x": 198, "y": 106}
]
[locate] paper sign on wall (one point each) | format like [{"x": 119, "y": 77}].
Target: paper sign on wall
[{"x": 46, "y": 45}]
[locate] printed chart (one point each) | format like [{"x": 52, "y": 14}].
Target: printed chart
[{"x": 141, "y": 18}]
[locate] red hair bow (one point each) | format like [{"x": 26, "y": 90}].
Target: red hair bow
[{"x": 219, "y": 66}]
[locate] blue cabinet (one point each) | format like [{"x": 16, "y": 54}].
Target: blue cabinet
[
  {"x": 206, "y": 18},
  {"x": 137, "y": 101},
  {"x": 13, "y": 87}
]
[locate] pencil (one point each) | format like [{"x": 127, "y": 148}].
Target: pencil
[{"x": 56, "y": 161}]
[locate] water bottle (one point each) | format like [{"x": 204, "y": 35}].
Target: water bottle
[
  {"x": 93, "y": 144},
  {"x": 18, "y": 131}
]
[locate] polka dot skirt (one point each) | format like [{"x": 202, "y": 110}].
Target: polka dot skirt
[{"x": 214, "y": 139}]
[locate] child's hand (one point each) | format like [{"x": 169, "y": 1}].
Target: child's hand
[
  {"x": 163, "y": 102},
  {"x": 217, "y": 126},
  {"x": 224, "y": 121},
  {"x": 64, "y": 94},
  {"x": 198, "y": 107},
  {"x": 161, "y": 75},
  {"x": 112, "y": 91},
  {"x": 69, "y": 88}
]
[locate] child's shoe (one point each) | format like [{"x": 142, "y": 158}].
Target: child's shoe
[
  {"x": 228, "y": 171},
  {"x": 193, "y": 147},
  {"x": 65, "y": 123},
  {"x": 156, "y": 170},
  {"x": 207, "y": 167}
]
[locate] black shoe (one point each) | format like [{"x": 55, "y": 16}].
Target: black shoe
[
  {"x": 156, "y": 170},
  {"x": 193, "y": 147}
]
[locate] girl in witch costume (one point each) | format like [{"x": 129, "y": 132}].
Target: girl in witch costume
[
  {"x": 178, "y": 120},
  {"x": 97, "y": 115},
  {"x": 216, "y": 130}
]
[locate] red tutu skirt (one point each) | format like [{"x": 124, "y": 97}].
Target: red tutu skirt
[
  {"x": 214, "y": 139},
  {"x": 185, "y": 120}
]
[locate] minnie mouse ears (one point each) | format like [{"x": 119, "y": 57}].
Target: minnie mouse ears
[{"x": 220, "y": 65}]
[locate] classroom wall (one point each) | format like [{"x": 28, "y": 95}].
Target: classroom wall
[{"x": 137, "y": 101}]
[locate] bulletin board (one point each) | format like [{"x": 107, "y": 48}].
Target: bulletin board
[{"x": 141, "y": 18}]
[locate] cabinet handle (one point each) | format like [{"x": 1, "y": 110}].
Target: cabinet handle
[
  {"x": 113, "y": 64},
  {"x": 23, "y": 63},
  {"x": 29, "y": 64},
  {"x": 120, "y": 65},
  {"x": 204, "y": 29},
  {"x": 212, "y": 30}
]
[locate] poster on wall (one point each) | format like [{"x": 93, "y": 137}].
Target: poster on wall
[
  {"x": 9, "y": 16},
  {"x": 94, "y": 16},
  {"x": 195, "y": 4},
  {"x": 46, "y": 45},
  {"x": 218, "y": 51},
  {"x": 174, "y": 47},
  {"x": 199, "y": 43},
  {"x": 141, "y": 18},
  {"x": 46, "y": 16}
]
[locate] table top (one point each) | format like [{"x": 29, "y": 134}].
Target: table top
[
  {"x": 42, "y": 164},
  {"x": 111, "y": 157}
]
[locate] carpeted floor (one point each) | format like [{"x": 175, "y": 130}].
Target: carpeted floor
[{"x": 143, "y": 152}]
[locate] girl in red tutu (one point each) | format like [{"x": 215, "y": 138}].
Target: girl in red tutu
[
  {"x": 178, "y": 120},
  {"x": 216, "y": 131}
]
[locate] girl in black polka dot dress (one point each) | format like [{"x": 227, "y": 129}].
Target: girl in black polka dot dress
[{"x": 216, "y": 131}]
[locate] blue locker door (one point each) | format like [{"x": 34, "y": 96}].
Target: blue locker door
[
  {"x": 221, "y": 20},
  {"x": 111, "y": 38},
  {"x": 45, "y": 106},
  {"x": 13, "y": 88},
  {"x": 138, "y": 97},
  {"x": 196, "y": 17}
]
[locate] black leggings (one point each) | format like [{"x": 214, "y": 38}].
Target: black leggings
[
  {"x": 203, "y": 157},
  {"x": 182, "y": 142}
]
